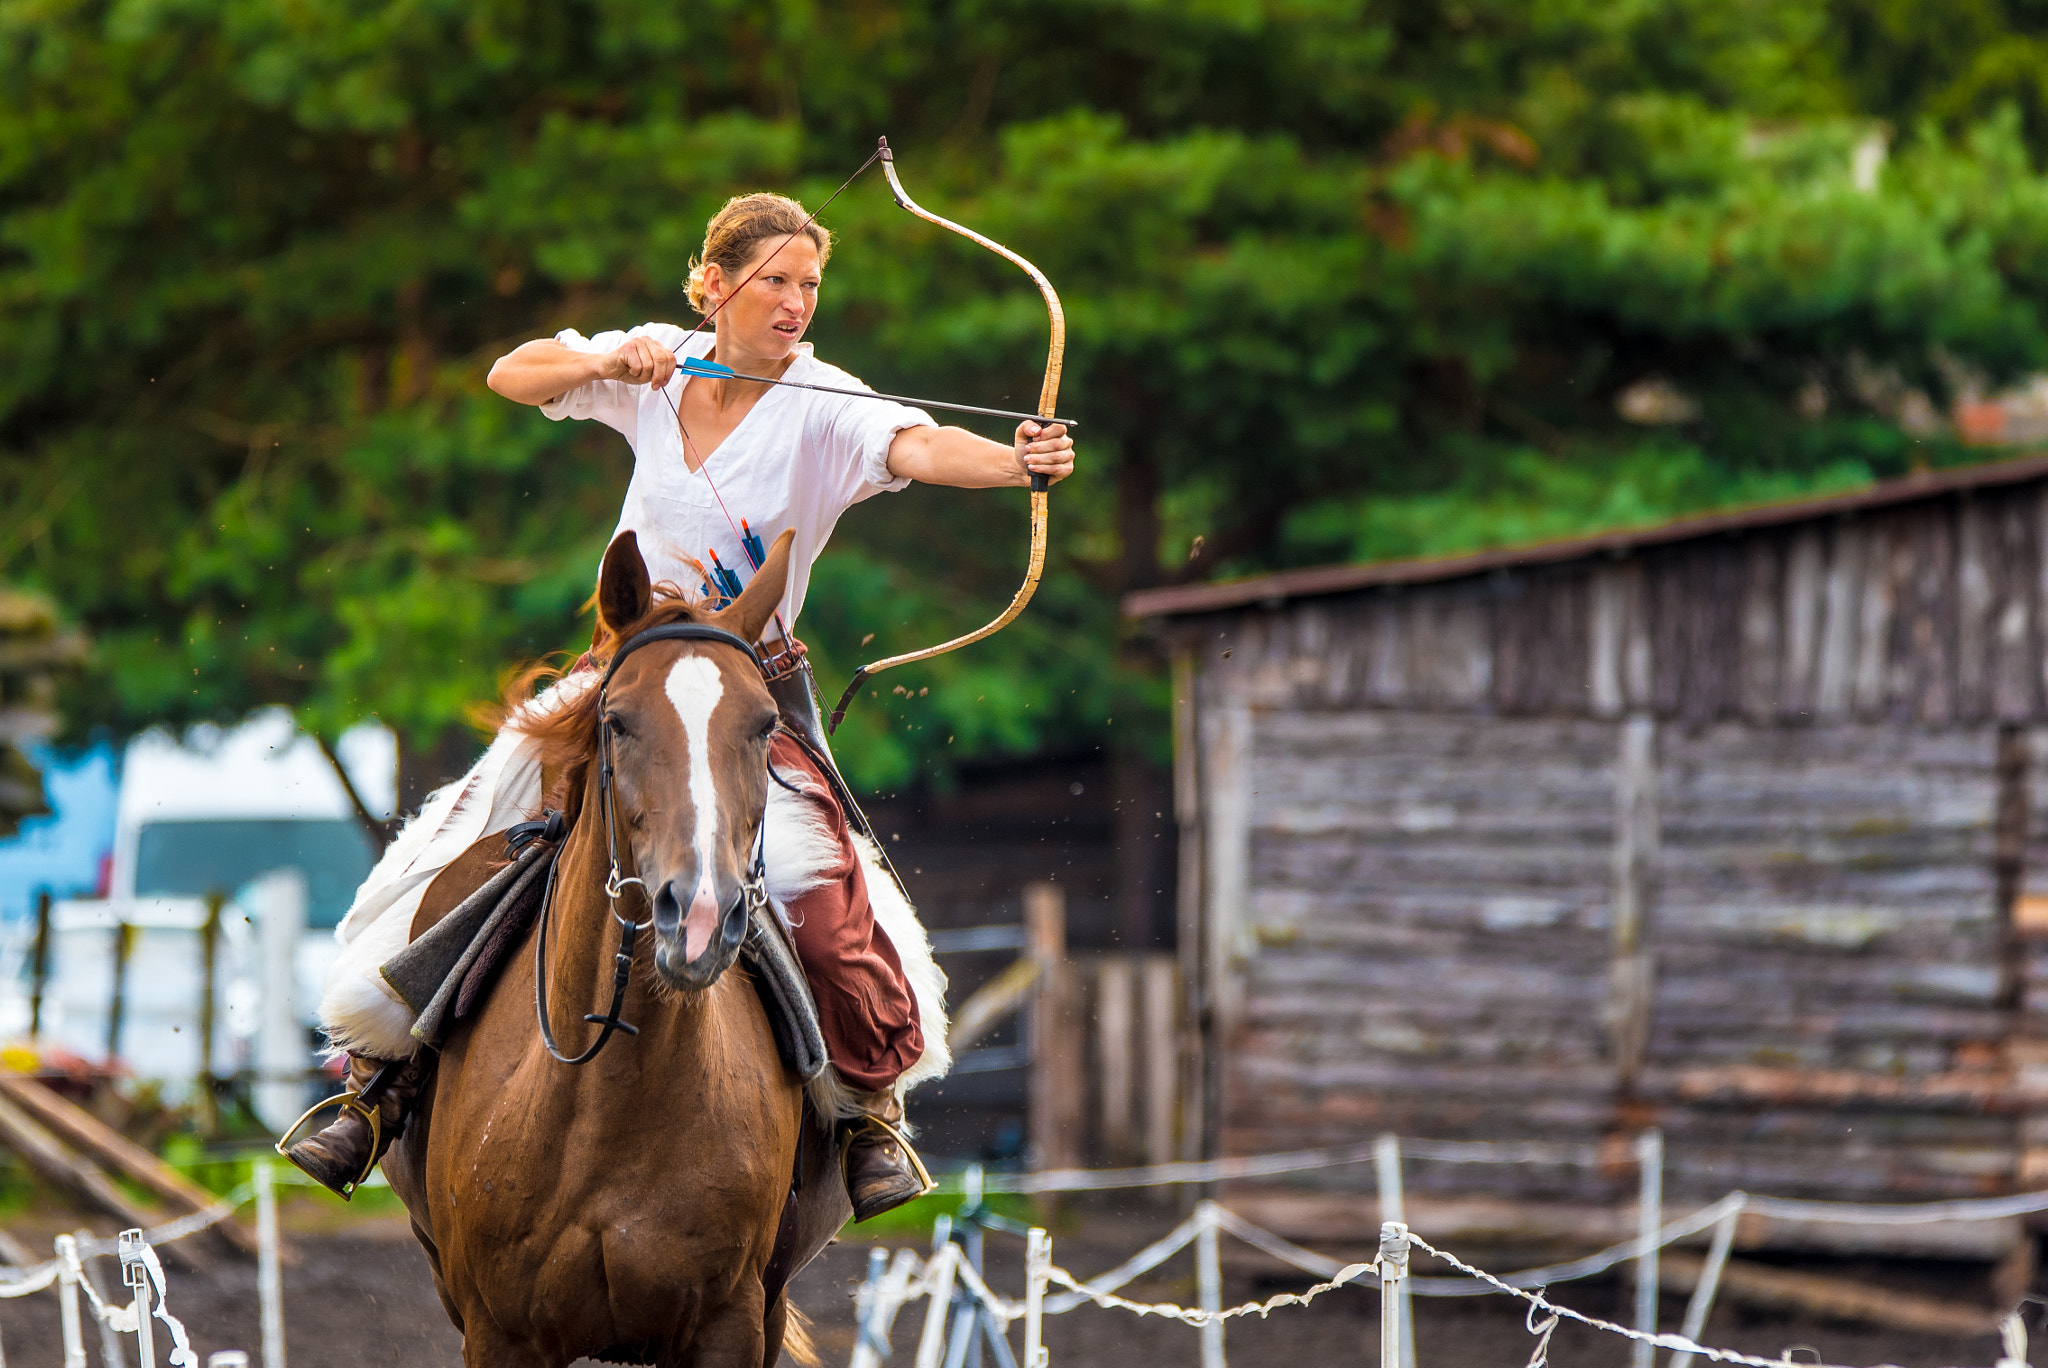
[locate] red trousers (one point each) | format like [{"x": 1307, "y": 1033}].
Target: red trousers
[{"x": 865, "y": 1006}]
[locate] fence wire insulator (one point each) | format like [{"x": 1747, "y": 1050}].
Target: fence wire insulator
[{"x": 1393, "y": 1270}]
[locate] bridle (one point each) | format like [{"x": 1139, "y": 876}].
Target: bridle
[{"x": 753, "y": 893}]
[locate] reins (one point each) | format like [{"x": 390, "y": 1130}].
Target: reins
[{"x": 732, "y": 925}]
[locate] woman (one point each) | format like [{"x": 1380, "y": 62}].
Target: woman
[{"x": 715, "y": 461}]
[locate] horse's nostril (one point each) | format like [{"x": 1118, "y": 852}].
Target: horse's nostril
[{"x": 668, "y": 913}]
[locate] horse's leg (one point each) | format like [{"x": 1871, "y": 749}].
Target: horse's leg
[
  {"x": 777, "y": 1321},
  {"x": 484, "y": 1347},
  {"x": 734, "y": 1336}
]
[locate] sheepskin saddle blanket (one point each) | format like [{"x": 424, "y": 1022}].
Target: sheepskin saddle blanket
[{"x": 446, "y": 971}]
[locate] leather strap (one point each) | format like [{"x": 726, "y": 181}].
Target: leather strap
[
  {"x": 677, "y": 631},
  {"x": 782, "y": 1258},
  {"x": 548, "y": 827}
]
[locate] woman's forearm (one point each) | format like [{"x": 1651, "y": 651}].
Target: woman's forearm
[
  {"x": 535, "y": 372},
  {"x": 954, "y": 456}
]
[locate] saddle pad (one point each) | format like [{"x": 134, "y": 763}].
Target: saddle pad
[
  {"x": 445, "y": 973},
  {"x": 779, "y": 979}
]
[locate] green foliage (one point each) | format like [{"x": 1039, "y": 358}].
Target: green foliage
[
  {"x": 1344, "y": 277},
  {"x": 917, "y": 1217},
  {"x": 227, "y": 1172},
  {"x": 1529, "y": 498}
]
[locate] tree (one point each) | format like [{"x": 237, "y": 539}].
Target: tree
[
  {"x": 1335, "y": 271},
  {"x": 35, "y": 651}
]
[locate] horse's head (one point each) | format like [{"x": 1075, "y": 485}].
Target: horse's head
[{"x": 690, "y": 723}]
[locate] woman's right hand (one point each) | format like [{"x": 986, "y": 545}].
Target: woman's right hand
[{"x": 640, "y": 361}]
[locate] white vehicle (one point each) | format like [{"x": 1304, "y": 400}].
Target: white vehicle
[{"x": 256, "y": 817}]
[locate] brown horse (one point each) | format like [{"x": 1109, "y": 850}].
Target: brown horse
[{"x": 627, "y": 1210}]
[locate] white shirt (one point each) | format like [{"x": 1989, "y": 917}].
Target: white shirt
[{"x": 797, "y": 460}]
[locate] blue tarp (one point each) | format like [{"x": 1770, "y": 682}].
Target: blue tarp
[{"x": 65, "y": 851}]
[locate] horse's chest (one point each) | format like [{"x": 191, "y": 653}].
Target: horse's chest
[{"x": 624, "y": 1179}]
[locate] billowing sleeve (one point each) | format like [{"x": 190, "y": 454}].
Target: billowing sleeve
[
  {"x": 851, "y": 438},
  {"x": 614, "y": 403}
]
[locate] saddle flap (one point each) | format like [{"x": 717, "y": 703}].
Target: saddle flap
[{"x": 792, "y": 1012}]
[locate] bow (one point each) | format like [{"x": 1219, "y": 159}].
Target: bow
[{"x": 1048, "y": 401}]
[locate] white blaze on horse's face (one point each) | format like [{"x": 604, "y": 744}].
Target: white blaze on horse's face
[{"x": 695, "y": 684}]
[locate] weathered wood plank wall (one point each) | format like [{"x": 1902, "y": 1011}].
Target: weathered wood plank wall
[
  {"x": 1705, "y": 835},
  {"x": 1927, "y": 614},
  {"x": 1427, "y": 932}
]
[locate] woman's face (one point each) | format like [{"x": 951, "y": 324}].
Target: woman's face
[{"x": 769, "y": 313}]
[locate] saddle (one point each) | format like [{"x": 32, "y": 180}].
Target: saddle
[{"x": 456, "y": 954}]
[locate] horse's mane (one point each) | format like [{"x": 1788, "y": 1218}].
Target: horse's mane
[{"x": 564, "y": 731}]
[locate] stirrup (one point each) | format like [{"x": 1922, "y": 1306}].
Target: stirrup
[
  {"x": 347, "y": 1102},
  {"x": 924, "y": 1175}
]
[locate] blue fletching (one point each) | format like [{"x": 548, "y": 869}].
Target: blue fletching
[{"x": 697, "y": 365}]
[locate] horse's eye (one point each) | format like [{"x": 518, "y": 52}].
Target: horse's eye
[
  {"x": 768, "y": 727},
  {"x": 618, "y": 725}
]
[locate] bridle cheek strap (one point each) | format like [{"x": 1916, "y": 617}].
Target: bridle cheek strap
[{"x": 732, "y": 929}]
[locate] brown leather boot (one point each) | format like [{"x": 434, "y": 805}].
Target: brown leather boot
[
  {"x": 882, "y": 1171},
  {"x": 373, "y": 1112}
]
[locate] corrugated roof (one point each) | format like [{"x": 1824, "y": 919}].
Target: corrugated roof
[{"x": 1213, "y": 596}]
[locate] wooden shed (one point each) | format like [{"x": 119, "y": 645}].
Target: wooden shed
[{"x": 1736, "y": 826}]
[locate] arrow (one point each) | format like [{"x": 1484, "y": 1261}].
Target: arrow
[{"x": 712, "y": 370}]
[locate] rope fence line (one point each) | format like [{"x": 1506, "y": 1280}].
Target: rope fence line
[
  {"x": 1291, "y": 1161},
  {"x": 142, "y": 1272},
  {"x": 959, "y": 1296},
  {"x": 965, "y": 1312},
  {"x": 950, "y": 1276}
]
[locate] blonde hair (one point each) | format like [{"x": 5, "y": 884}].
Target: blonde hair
[{"x": 734, "y": 232}]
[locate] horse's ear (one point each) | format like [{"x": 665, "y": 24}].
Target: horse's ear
[
  {"x": 747, "y": 615},
  {"x": 623, "y": 593}
]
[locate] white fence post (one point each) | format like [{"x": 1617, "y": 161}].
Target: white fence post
[
  {"x": 269, "y": 1268},
  {"x": 873, "y": 1346},
  {"x": 1209, "y": 1283},
  {"x": 1037, "y": 1265},
  {"x": 2012, "y": 1331},
  {"x": 941, "y": 1271},
  {"x": 135, "y": 1277},
  {"x": 1649, "y": 1220},
  {"x": 1393, "y": 1266},
  {"x": 969, "y": 1353},
  {"x": 1386, "y": 1168},
  {"x": 867, "y": 1303},
  {"x": 68, "y": 1276},
  {"x": 278, "y": 900},
  {"x": 966, "y": 1321},
  {"x": 1710, "y": 1282}
]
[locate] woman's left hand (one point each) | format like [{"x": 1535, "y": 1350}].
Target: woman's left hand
[{"x": 1045, "y": 449}]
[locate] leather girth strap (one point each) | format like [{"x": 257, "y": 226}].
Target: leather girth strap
[{"x": 782, "y": 1258}]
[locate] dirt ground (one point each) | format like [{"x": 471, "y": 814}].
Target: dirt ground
[{"x": 358, "y": 1290}]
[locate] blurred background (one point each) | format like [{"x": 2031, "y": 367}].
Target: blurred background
[{"x": 1348, "y": 284}]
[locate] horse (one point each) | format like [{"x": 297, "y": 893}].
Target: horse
[{"x": 632, "y": 1209}]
